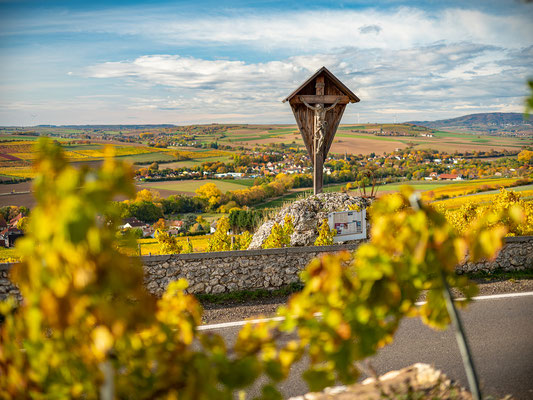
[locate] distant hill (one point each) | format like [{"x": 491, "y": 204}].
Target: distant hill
[
  {"x": 507, "y": 124},
  {"x": 110, "y": 127}
]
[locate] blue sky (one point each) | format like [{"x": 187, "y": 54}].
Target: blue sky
[{"x": 133, "y": 62}]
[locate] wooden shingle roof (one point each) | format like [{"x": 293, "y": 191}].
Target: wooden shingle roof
[{"x": 341, "y": 86}]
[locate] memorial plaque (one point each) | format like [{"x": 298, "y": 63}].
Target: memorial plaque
[{"x": 350, "y": 225}]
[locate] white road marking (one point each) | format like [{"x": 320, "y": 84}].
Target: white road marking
[{"x": 419, "y": 303}]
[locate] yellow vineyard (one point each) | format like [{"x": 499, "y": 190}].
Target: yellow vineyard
[
  {"x": 469, "y": 187},
  {"x": 478, "y": 199},
  {"x": 16, "y": 157},
  {"x": 147, "y": 247}
]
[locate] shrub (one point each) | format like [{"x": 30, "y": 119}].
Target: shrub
[
  {"x": 168, "y": 244},
  {"x": 325, "y": 235},
  {"x": 242, "y": 241},
  {"x": 221, "y": 240},
  {"x": 280, "y": 235}
]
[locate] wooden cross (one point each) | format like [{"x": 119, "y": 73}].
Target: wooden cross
[{"x": 318, "y": 123}]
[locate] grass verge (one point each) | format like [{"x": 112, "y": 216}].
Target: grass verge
[{"x": 500, "y": 276}]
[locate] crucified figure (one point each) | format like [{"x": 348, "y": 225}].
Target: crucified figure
[{"x": 320, "y": 122}]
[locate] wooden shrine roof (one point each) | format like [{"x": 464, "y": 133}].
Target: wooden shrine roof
[{"x": 341, "y": 86}]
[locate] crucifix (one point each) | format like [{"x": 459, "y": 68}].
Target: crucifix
[
  {"x": 318, "y": 123},
  {"x": 319, "y": 134}
]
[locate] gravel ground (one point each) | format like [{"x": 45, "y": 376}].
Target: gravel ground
[{"x": 217, "y": 313}]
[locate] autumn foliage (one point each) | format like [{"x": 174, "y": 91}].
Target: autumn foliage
[
  {"x": 86, "y": 318},
  {"x": 280, "y": 236},
  {"x": 325, "y": 234}
]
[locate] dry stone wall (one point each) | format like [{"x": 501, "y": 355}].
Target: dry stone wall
[
  {"x": 516, "y": 255},
  {"x": 271, "y": 268},
  {"x": 228, "y": 271},
  {"x": 6, "y": 287}
]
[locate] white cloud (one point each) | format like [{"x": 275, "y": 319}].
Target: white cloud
[{"x": 432, "y": 79}]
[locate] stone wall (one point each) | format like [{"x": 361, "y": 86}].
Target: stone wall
[
  {"x": 6, "y": 287},
  {"x": 228, "y": 271},
  {"x": 516, "y": 255},
  {"x": 271, "y": 268}
]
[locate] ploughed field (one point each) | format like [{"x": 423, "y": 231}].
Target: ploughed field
[
  {"x": 367, "y": 138},
  {"x": 17, "y": 156}
]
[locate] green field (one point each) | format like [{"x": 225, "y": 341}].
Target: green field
[
  {"x": 284, "y": 130},
  {"x": 348, "y": 127},
  {"x": 75, "y": 147},
  {"x": 149, "y": 157},
  {"x": 296, "y": 195},
  {"x": 190, "y": 186},
  {"x": 280, "y": 201},
  {"x": 4, "y": 137},
  {"x": 194, "y": 163}
]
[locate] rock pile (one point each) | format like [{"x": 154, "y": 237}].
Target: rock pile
[
  {"x": 419, "y": 381},
  {"x": 307, "y": 215}
]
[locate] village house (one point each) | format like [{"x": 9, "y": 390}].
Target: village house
[
  {"x": 234, "y": 175},
  {"x": 9, "y": 232},
  {"x": 129, "y": 223},
  {"x": 175, "y": 227},
  {"x": 450, "y": 177}
]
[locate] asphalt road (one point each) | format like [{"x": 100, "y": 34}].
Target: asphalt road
[{"x": 500, "y": 332}]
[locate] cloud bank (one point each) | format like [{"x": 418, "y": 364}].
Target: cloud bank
[{"x": 440, "y": 78}]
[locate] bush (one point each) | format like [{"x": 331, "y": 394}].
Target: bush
[
  {"x": 168, "y": 244},
  {"x": 325, "y": 235},
  {"x": 221, "y": 240},
  {"x": 280, "y": 235}
]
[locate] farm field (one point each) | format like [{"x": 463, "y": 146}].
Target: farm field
[
  {"x": 350, "y": 138},
  {"x": 190, "y": 186},
  {"x": 10, "y": 254},
  {"x": 151, "y": 246},
  {"x": 148, "y": 157},
  {"x": 419, "y": 186},
  {"x": 447, "y": 187},
  {"x": 295, "y": 194},
  {"x": 16, "y": 156},
  {"x": 442, "y": 141},
  {"x": 147, "y": 246},
  {"x": 467, "y": 187},
  {"x": 360, "y": 139},
  {"x": 190, "y": 163}
]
